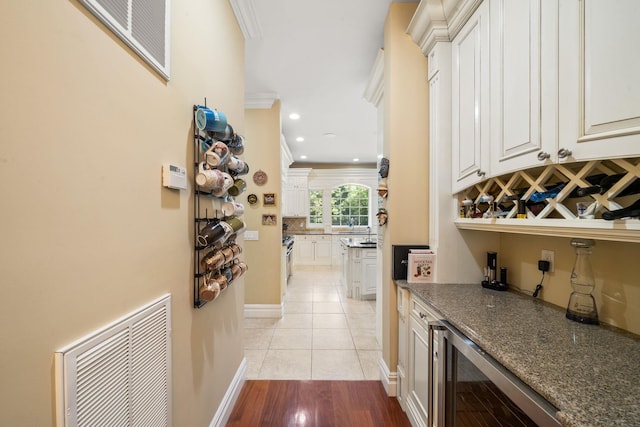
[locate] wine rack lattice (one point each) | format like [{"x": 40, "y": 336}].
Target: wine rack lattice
[{"x": 523, "y": 184}]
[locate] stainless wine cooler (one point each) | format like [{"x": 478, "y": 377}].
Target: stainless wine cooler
[{"x": 471, "y": 389}]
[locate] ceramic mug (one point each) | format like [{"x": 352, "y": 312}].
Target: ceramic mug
[
  {"x": 236, "y": 145},
  {"x": 239, "y": 185},
  {"x": 225, "y": 135},
  {"x": 238, "y": 166},
  {"x": 211, "y": 120},
  {"x": 236, "y": 224},
  {"x": 226, "y": 183},
  {"x": 211, "y": 233},
  {"x": 209, "y": 179},
  {"x": 217, "y": 155},
  {"x": 232, "y": 209}
]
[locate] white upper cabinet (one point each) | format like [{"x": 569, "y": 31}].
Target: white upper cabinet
[
  {"x": 523, "y": 84},
  {"x": 470, "y": 101},
  {"x": 599, "y": 78}
]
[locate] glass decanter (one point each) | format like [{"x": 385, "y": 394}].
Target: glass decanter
[{"x": 582, "y": 305}]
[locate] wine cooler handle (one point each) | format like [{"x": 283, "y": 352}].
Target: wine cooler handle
[
  {"x": 433, "y": 326},
  {"x": 564, "y": 153}
]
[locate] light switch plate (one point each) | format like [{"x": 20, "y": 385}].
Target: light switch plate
[{"x": 251, "y": 235}]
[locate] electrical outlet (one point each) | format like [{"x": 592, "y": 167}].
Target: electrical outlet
[{"x": 548, "y": 256}]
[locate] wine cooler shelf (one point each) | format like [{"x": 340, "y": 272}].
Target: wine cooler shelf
[{"x": 598, "y": 199}]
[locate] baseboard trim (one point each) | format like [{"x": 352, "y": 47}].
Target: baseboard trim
[
  {"x": 274, "y": 311},
  {"x": 230, "y": 397},
  {"x": 389, "y": 379}
]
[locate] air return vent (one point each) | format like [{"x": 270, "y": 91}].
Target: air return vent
[
  {"x": 142, "y": 24},
  {"x": 119, "y": 375}
]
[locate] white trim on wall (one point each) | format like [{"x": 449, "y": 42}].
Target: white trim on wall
[
  {"x": 389, "y": 379},
  {"x": 256, "y": 311},
  {"x": 230, "y": 398}
]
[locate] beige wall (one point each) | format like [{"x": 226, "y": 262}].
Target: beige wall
[
  {"x": 263, "y": 256},
  {"x": 615, "y": 268},
  {"x": 88, "y": 233},
  {"x": 406, "y": 130}
]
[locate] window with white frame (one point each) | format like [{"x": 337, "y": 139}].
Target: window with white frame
[
  {"x": 315, "y": 207},
  {"x": 141, "y": 24},
  {"x": 350, "y": 205}
]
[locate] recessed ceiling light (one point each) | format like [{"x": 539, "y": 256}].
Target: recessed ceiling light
[
  {"x": 294, "y": 116},
  {"x": 303, "y": 157},
  {"x": 299, "y": 139},
  {"x": 356, "y": 159},
  {"x": 330, "y": 135}
]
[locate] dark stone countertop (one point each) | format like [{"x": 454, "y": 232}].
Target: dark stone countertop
[{"x": 590, "y": 373}]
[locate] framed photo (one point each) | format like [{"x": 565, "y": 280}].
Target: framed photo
[
  {"x": 269, "y": 219},
  {"x": 269, "y": 199}
]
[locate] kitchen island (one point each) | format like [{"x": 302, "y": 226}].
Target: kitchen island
[
  {"x": 590, "y": 373},
  {"x": 359, "y": 267}
]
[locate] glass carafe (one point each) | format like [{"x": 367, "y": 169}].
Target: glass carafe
[{"x": 582, "y": 305}]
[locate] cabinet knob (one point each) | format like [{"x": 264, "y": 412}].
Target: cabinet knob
[
  {"x": 543, "y": 155},
  {"x": 481, "y": 173},
  {"x": 422, "y": 315},
  {"x": 564, "y": 153}
]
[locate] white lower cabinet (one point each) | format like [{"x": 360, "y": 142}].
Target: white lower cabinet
[
  {"x": 311, "y": 249},
  {"x": 359, "y": 272},
  {"x": 417, "y": 369},
  {"x": 403, "y": 336}
]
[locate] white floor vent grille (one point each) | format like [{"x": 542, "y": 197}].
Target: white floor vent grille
[{"x": 119, "y": 375}]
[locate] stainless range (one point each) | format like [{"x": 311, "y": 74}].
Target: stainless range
[{"x": 288, "y": 242}]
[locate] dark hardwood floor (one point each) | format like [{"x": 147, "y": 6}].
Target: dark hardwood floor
[{"x": 316, "y": 403}]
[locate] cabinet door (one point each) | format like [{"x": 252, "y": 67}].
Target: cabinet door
[
  {"x": 323, "y": 250},
  {"x": 305, "y": 250},
  {"x": 523, "y": 64},
  {"x": 403, "y": 345},
  {"x": 599, "y": 86},
  {"x": 369, "y": 273},
  {"x": 470, "y": 103},
  {"x": 417, "y": 373}
]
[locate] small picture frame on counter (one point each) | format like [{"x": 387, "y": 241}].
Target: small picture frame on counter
[{"x": 422, "y": 264}]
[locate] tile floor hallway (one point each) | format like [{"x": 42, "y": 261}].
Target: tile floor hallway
[{"x": 323, "y": 335}]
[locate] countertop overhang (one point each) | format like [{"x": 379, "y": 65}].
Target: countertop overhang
[{"x": 590, "y": 373}]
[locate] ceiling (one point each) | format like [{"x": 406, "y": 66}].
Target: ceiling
[{"x": 316, "y": 58}]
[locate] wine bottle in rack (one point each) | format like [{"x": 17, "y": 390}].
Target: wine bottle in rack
[
  {"x": 606, "y": 183},
  {"x": 632, "y": 211}
]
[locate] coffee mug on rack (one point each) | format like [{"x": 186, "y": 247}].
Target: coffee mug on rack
[
  {"x": 232, "y": 209},
  {"x": 227, "y": 182},
  {"x": 213, "y": 260},
  {"x": 237, "y": 166},
  {"x": 211, "y": 234},
  {"x": 239, "y": 185},
  {"x": 209, "y": 289},
  {"x": 209, "y": 179},
  {"x": 217, "y": 155},
  {"x": 236, "y": 224},
  {"x": 225, "y": 135},
  {"x": 212, "y": 120},
  {"x": 236, "y": 145}
]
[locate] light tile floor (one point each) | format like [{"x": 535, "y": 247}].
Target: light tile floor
[{"x": 323, "y": 335}]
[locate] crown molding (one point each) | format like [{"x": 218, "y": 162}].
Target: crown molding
[
  {"x": 247, "y": 18},
  {"x": 260, "y": 99},
  {"x": 375, "y": 85},
  {"x": 287, "y": 157},
  {"x": 439, "y": 21}
]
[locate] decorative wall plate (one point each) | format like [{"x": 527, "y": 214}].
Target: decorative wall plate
[
  {"x": 252, "y": 199},
  {"x": 260, "y": 177}
]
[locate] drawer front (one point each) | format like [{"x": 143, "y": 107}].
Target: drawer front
[{"x": 421, "y": 313}]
